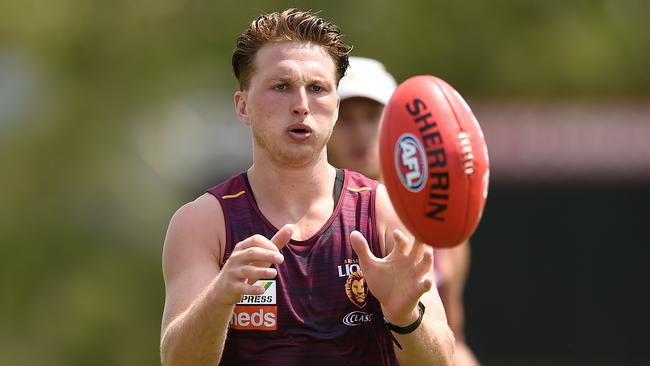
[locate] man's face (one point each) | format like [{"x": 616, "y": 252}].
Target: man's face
[
  {"x": 291, "y": 103},
  {"x": 355, "y": 141}
]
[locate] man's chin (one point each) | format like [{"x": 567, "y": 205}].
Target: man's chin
[{"x": 297, "y": 158}]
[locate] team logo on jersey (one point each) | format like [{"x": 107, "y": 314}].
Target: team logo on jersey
[
  {"x": 267, "y": 298},
  {"x": 354, "y": 318},
  {"x": 410, "y": 162},
  {"x": 349, "y": 266},
  {"x": 257, "y": 312},
  {"x": 356, "y": 288}
]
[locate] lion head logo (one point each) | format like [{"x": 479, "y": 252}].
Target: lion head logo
[{"x": 356, "y": 289}]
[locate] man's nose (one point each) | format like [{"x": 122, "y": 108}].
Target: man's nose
[{"x": 301, "y": 103}]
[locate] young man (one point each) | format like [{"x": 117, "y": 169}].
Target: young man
[
  {"x": 295, "y": 262},
  {"x": 364, "y": 91}
]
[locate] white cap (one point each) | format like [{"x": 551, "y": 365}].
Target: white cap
[{"x": 367, "y": 78}]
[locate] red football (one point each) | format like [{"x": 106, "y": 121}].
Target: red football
[{"x": 434, "y": 161}]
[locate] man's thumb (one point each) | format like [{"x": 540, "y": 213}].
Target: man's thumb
[
  {"x": 360, "y": 246},
  {"x": 282, "y": 237}
]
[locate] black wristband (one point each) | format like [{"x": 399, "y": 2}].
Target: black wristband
[{"x": 409, "y": 328}]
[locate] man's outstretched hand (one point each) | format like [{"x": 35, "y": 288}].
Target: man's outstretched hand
[{"x": 399, "y": 279}]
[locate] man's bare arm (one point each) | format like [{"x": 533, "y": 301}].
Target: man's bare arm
[
  {"x": 457, "y": 261},
  {"x": 200, "y": 295},
  {"x": 432, "y": 343}
]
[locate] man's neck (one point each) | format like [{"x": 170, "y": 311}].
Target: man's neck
[{"x": 293, "y": 190}]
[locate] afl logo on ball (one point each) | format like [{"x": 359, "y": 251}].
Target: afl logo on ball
[{"x": 410, "y": 162}]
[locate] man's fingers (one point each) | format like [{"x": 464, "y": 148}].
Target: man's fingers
[
  {"x": 401, "y": 242},
  {"x": 253, "y": 273},
  {"x": 425, "y": 285},
  {"x": 246, "y": 289},
  {"x": 360, "y": 246},
  {"x": 424, "y": 266},
  {"x": 262, "y": 252},
  {"x": 282, "y": 237},
  {"x": 257, "y": 255},
  {"x": 417, "y": 250},
  {"x": 256, "y": 241}
]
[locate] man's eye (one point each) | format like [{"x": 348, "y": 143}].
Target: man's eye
[
  {"x": 316, "y": 88},
  {"x": 281, "y": 87}
]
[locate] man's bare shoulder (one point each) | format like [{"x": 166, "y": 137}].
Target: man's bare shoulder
[
  {"x": 202, "y": 213},
  {"x": 386, "y": 215},
  {"x": 199, "y": 223},
  {"x": 387, "y": 220}
]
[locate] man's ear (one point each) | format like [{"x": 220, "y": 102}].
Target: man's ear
[{"x": 241, "y": 106}]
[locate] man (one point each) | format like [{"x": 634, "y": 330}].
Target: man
[
  {"x": 364, "y": 91},
  {"x": 235, "y": 296}
]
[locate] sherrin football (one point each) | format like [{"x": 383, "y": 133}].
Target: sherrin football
[{"x": 434, "y": 161}]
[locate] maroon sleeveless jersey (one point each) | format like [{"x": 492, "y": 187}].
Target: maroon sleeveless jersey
[{"x": 318, "y": 310}]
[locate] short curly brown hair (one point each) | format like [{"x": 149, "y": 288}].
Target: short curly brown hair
[{"x": 288, "y": 25}]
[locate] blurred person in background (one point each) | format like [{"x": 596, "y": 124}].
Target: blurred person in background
[
  {"x": 364, "y": 91},
  {"x": 284, "y": 263}
]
